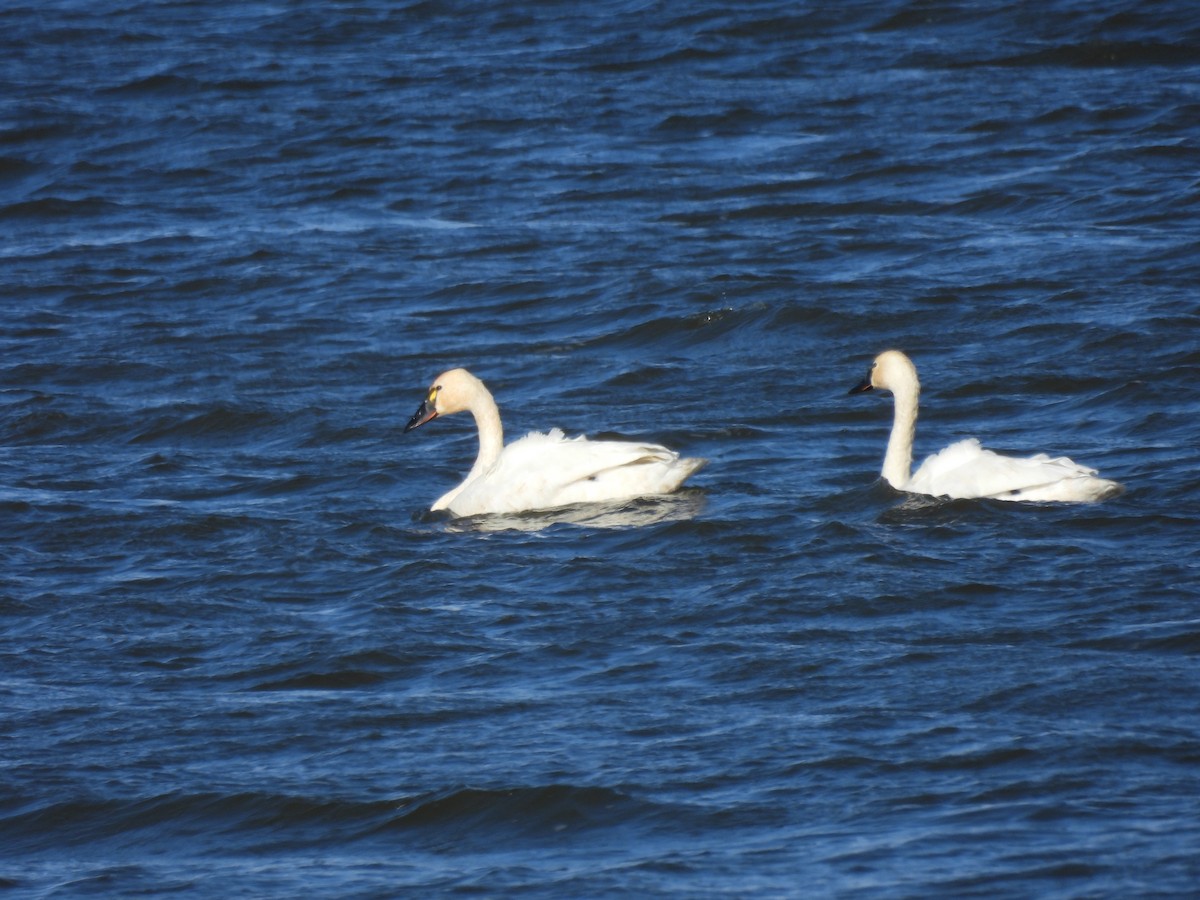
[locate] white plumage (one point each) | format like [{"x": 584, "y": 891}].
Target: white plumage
[
  {"x": 965, "y": 470},
  {"x": 544, "y": 471}
]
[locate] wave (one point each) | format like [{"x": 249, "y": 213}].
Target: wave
[
  {"x": 60, "y": 208},
  {"x": 220, "y": 422},
  {"x": 1158, "y": 637},
  {"x": 1101, "y": 54},
  {"x": 519, "y": 814},
  {"x": 458, "y": 817}
]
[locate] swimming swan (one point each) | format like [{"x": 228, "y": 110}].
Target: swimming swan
[
  {"x": 965, "y": 470},
  {"x": 542, "y": 471}
]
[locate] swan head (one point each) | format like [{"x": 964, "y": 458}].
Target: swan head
[
  {"x": 451, "y": 392},
  {"x": 891, "y": 371}
]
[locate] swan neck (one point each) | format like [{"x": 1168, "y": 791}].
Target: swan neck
[
  {"x": 491, "y": 432},
  {"x": 897, "y": 462}
]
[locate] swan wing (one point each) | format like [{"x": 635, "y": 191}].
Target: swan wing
[
  {"x": 966, "y": 470},
  {"x": 542, "y": 471}
]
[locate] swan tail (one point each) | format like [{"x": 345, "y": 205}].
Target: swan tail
[
  {"x": 656, "y": 471},
  {"x": 1078, "y": 489}
]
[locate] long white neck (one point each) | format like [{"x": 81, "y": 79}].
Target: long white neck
[
  {"x": 491, "y": 432},
  {"x": 897, "y": 462},
  {"x": 491, "y": 439}
]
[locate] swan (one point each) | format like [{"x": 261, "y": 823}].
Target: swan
[
  {"x": 543, "y": 471},
  {"x": 964, "y": 470}
]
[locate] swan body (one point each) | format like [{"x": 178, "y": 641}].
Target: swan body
[
  {"x": 543, "y": 471},
  {"x": 965, "y": 470}
]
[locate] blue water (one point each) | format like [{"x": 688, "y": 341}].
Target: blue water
[{"x": 240, "y": 657}]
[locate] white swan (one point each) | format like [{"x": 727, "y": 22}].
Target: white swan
[
  {"x": 965, "y": 470},
  {"x": 543, "y": 471}
]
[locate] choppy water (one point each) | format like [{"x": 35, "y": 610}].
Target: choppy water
[{"x": 238, "y": 657}]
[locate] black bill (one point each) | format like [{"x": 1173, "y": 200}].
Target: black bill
[{"x": 425, "y": 412}]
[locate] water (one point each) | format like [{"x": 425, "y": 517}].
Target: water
[{"x": 240, "y": 657}]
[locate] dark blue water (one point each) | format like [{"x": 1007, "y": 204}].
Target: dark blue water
[{"x": 239, "y": 657}]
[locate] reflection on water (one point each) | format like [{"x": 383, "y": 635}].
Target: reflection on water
[{"x": 637, "y": 513}]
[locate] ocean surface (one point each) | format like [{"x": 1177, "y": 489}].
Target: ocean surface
[{"x": 239, "y": 656}]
